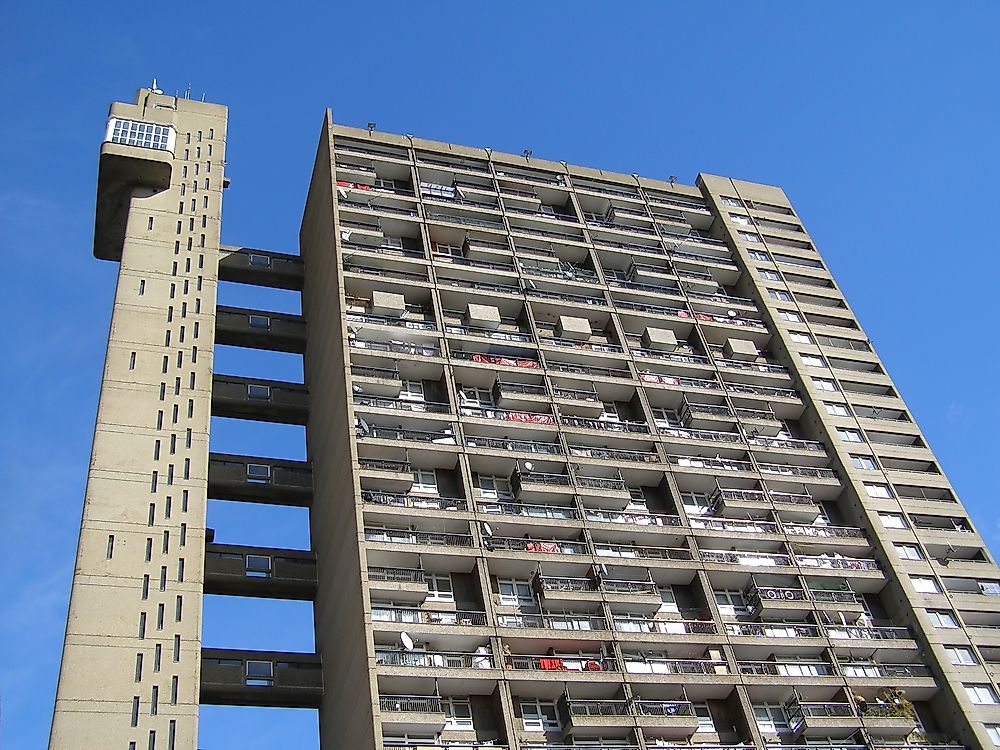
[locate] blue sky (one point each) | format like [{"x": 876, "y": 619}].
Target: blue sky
[{"x": 879, "y": 120}]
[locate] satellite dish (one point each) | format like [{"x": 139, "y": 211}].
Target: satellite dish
[
  {"x": 345, "y": 235},
  {"x": 406, "y": 640},
  {"x": 732, "y": 313},
  {"x": 487, "y": 529},
  {"x": 528, "y": 466}
]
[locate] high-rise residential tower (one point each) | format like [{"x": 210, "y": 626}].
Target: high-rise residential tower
[{"x": 593, "y": 460}]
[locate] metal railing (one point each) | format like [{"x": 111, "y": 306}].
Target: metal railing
[
  {"x": 426, "y": 704},
  {"x": 395, "y": 575},
  {"x": 633, "y": 518},
  {"x": 401, "y": 404},
  {"x": 434, "y": 659},
  {"x": 405, "y": 500},
  {"x": 523, "y": 446},
  {"x": 604, "y": 425},
  {"x": 430, "y": 538},
  {"x": 412, "y": 615},
  {"x": 547, "y": 546},
  {"x": 527, "y": 510}
]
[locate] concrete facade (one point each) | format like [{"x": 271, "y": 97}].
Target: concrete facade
[{"x": 593, "y": 459}]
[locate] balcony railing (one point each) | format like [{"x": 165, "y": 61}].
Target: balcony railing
[
  {"x": 790, "y": 669},
  {"x": 402, "y": 347},
  {"x": 664, "y": 708},
  {"x": 522, "y": 446},
  {"x": 601, "y": 483},
  {"x": 787, "y": 444},
  {"x": 402, "y": 404},
  {"x": 701, "y": 462},
  {"x": 527, "y": 510},
  {"x": 642, "y": 552},
  {"x": 583, "y": 663},
  {"x": 410, "y": 704},
  {"x": 545, "y": 546},
  {"x": 506, "y": 415},
  {"x": 674, "y": 666},
  {"x": 630, "y": 517},
  {"x": 489, "y": 359},
  {"x": 383, "y": 464},
  {"x": 624, "y": 624},
  {"x": 691, "y": 434},
  {"x": 402, "y": 500},
  {"x": 434, "y": 659},
  {"x": 835, "y": 562},
  {"x": 412, "y": 615},
  {"x": 797, "y": 471},
  {"x": 614, "y": 454},
  {"x": 581, "y": 622},
  {"x": 758, "y": 559},
  {"x": 429, "y": 538},
  {"x": 597, "y": 707},
  {"x": 383, "y": 432},
  {"x": 773, "y": 630},
  {"x": 385, "y": 320},
  {"x": 395, "y": 575},
  {"x": 605, "y": 425}
]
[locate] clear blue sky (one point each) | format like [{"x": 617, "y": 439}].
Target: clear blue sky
[{"x": 879, "y": 119}]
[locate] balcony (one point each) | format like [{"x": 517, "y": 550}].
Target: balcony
[
  {"x": 562, "y": 665},
  {"x": 412, "y": 713},
  {"x": 746, "y": 559},
  {"x": 640, "y": 664},
  {"x": 416, "y": 501},
  {"x": 535, "y": 546},
  {"x": 420, "y": 538},
  {"x": 261, "y": 400},
  {"x": 259, "y": 571},
  {"x": 675, "y": 719},
  {"x": 259, "y": 480},
  {"x": 383, "y": 477},
  {"x": 627, "y": 624},
  {"x": 581, "y": 622},
  {"x": 245, "y": 265},
  {"x": 893, "y": 718},
  {"x": 772, "y": 630},
  {"x": 614, "y": 454},
  {"x": 401, "y": 404},
  {"x": 232, "y": 677},
  {"x": 513, "y": 446},
  {"x": 398, "y": 584},
  {"x": 526, "y": 510},
  {"x": 822, "y": 719},
  {"x": 387, "y": 613},
  {"x": 433, "y": 660},
  {"x": 793, "y": 507},
  {"x": 604, "y": 425},
  {"x": 258, "y": 329},
  {"x": 585, "y": 717}
]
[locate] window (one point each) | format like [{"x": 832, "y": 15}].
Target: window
[
  {"x": 261, "y": 261},
  {"x": 779, "y": 295},
  {"x": 749, "y": 236},
  {"x": 925, "y": 585},
  {"x": 669, "y": 600},
  {"x": 539, "y": 716},
  {"x": 424, "y": 481},
  {"x": 665, "y": 417},
  {"x": 260, "y": 673},
  {"x": 961, "y": 655},
  {"x": 258, "y": 566},
  {"x": 770, "y": 718},
  {"x": 610, "y": 413},
  {"x": 837, "y": 410},
  {"x": 811, "y": 360},
  {"x": 993, "y": 730},
  {"x": 258, "y": 473},
  {"x": 382, "y": 182},
  {"x": 732, "y": 201},
  {"x": 908, "y": 551},
  {"x": 439, "y": 587},
  {"x": 942, "y": 618},
  {"x": 741, "y": 219},
  {"x": 695, "y": 503},
  {"x": 759, "y": 255},
  {"x": 892, "y": 520},
  {"x": 411, "y": 390},
  {"x": 864, "y": 462},
  {"x": 457, "y": 713},
  {"x": 824, "y": 384},
  {"x": 881, "y": 491},
  {"x": 450, "y": 251},
  {"x": 800, "y": 338},
  {"x": 476, "y": 397},
  {"x": 731, "y": 602},
  {"x": 515, "y": 593},
  {"x": 981, "y": 694},
  {"x": 850, "y": 436},
  {"x": 766, "y": 273},
  {"x": 258, "y": 392},
  {"x": 705, "y": 722},
  {"x": 791, "y": 317},
  {"x": 494, "y": 487},
  {"x": 142, "y": 134},
  {"x": 260, "y": 321}
]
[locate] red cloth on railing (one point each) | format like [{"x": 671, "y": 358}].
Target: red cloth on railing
[
  {"x": 554, "y": 665},
  {"x": 547, "y": 546},
  {"x": 593, "y": 666}
]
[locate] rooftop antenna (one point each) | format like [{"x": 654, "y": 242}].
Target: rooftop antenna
[
  {"x": 673, "y": 179},
  {"x": 187, "y": 92},
  {"x": 155, "y": 89},
  {"x": 526, "y": 153},
  {"x": 371, "y": 127}
]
